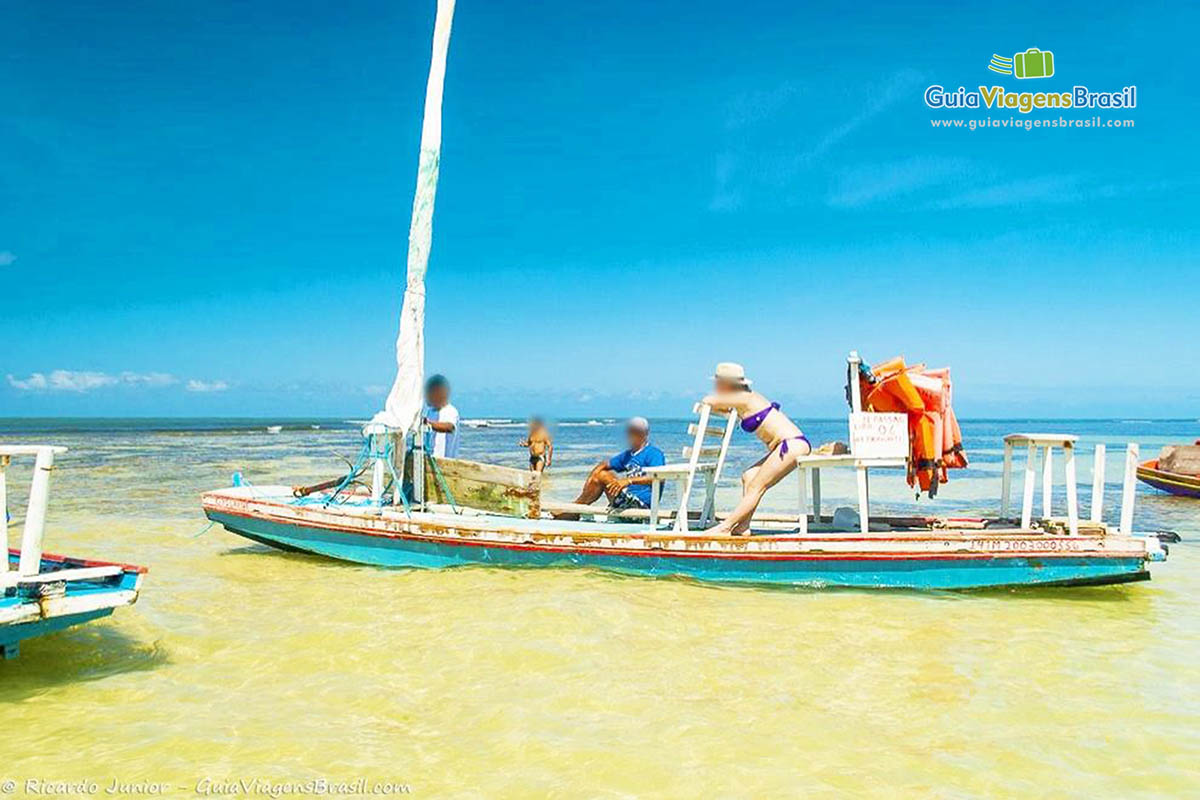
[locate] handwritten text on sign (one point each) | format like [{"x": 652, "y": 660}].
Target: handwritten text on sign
[{"x": 875, "y": 435}]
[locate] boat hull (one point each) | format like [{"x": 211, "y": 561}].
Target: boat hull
[
  {"x": 930, "y": 561},
  {"x": 1174, "y": 483},
  {"x": 29, "y": 612}
]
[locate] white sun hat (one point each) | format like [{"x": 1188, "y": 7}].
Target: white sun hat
[{"x": 734, "y": 373}]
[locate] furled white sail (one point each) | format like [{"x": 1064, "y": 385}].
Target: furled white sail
[{"x": 403, "y": 408}]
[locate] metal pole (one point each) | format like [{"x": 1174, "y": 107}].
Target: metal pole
[{"x": 419, "y": 465}]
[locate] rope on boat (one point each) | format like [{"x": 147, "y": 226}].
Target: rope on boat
[
  {"x": 356, "y": 469},
  {"x": 203, "y": 530},
  {"x": 437, "y": 474}
]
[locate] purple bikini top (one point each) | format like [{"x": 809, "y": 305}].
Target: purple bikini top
[{"x": 750, "y": 424}]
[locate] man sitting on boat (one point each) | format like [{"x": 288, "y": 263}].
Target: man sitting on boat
[
  {"x": 621, "y": 477},
  {"x": 441, "y": 418}
]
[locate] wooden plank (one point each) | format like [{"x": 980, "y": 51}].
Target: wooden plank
[
  {"x": 1027, "y": 498},
  {"x": 76, "y": 574},
  {"x": 1006, "y": 480},
  {"x": 802, "y": 499},
  {"x": 1047, "y": 480},
  {"x": 864, "y": 501},
  {"x": 712, "y": 412},
  {"x": 35, "y": 512},
  {"x": 1098, "y": 484},
  {"x": 716, "y": 433},
  {"x": 1128, "y": 488},
  {"x": 816, "y": 493},
  {"x": 29, "y": 449},
  {"x": 490, "y": 487},
  {"x": 1072, "y": 490},
  {"x": 692, "y": 454}
]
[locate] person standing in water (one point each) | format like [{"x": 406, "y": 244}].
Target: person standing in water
[
  {"x": 540, "y": 444},
  {"x": 782, "y": 438}
]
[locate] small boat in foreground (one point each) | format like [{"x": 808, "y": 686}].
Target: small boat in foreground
[
  {"x": 1176, "y": 470},
  {"x": 42, "y": 593}
]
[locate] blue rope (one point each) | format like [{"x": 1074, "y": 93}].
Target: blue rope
[{"x": 437, "y": 474}]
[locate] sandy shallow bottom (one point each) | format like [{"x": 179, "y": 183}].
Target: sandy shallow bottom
[{"x": 241, "y": 663}]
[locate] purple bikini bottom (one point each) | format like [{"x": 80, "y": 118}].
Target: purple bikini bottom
[{"x": 783, "y": 446}]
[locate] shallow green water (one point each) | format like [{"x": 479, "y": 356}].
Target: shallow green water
[{"x": 244, "y": 663}]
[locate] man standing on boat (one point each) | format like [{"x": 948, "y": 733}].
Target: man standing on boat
[
  {"x": 621, "y": 477},
  {"x": 441, "y": 419}
]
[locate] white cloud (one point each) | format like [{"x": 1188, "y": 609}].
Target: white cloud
[
  {"x": 65, "y": 380},
  {"x": 62, "y": 380},
  {"x": 153, "y": 380},
  {"x": 7, "y": 257},
  {"x": 206, "y": 386}
]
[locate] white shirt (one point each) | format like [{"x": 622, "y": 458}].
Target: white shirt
[{"x": 445, "y": 445}]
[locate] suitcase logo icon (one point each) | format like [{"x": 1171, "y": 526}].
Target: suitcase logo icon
[{"x": 1033, "y": 63}]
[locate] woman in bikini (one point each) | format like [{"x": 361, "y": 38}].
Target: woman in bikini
[{"x": 759, "y": 416}]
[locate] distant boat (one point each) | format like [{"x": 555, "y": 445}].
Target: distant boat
[
  {"x": 42, "y": 593},
  {"x": 274, "y": 428},
  {"x": 1176, "y": 470}
]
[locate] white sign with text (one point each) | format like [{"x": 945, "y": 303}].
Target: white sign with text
[{"x": 874, "y": 435}]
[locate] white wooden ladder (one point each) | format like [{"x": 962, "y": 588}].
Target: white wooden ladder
[{"x": 687, "y": 471}]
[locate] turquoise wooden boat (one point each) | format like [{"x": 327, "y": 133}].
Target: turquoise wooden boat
[
  {"x": 499, "y": 522},
  {"x": 913, "y": 554},
  {"x": 42, "y": 593},
  {"x": 65, "y": 592}
]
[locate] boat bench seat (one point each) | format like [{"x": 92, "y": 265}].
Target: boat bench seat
[{"x": 555, "y": 507}]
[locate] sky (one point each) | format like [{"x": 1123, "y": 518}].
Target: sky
[{"x": 204, "y": 206}]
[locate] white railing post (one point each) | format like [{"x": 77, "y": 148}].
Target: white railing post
[
  {"x": 1027, "y": 489},
  {"x": 1006, "y": 479},
  {"x": 1047, "y": 479},
  {"x": 855, "y": 361},
  {"x": 35, "y": 514},
  {"x": 1128, "y": 489},
  {"x": 1098, "y": 484},
  {"x": 4, "y": 511},
  {"x": 1072, "y": 489}
]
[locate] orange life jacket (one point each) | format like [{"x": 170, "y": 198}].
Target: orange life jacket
[{"x": 935, "y": 439}]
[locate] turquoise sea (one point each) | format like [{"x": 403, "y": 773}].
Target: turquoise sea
[{"x": 243, "y": 663}]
